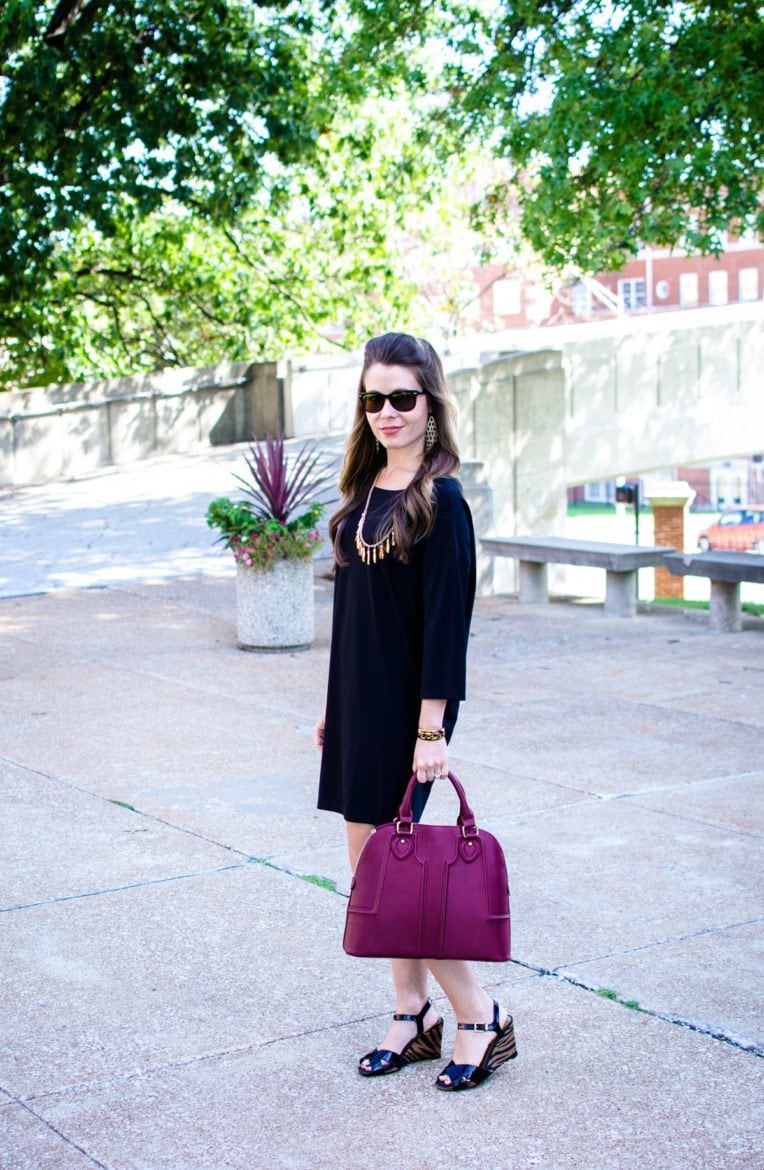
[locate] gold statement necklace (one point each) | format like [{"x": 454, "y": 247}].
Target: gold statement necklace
[{"x": 371, "y": 553}]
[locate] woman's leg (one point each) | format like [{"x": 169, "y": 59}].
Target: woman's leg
[
  {"x": 409, "y": 975},
  {"x": 471, "y": 1004},
  {"x": 357, "y": 836},
  {"x": 410, "y": 980}
]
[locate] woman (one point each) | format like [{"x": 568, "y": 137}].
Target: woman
[{"x": 405, "y": 585}]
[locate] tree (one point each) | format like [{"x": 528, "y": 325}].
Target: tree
[
  {"x": 628, "y": 121},
  {"x": 181, "y": 179},
  {"x": 316, "y": 261},
  {"x": 461, "y": 242},
  {"x": 174, "y": 176},
  {"x": 108, "y": 101}
]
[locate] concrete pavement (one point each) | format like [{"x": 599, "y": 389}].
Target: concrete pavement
[{"x": 173, "y": 986}]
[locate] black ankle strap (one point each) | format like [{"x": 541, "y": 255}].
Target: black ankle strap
[
  {"x": 419, "y": 1019},
  {"x": 492, "y": 1027}
]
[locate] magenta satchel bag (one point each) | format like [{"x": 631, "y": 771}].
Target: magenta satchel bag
[{"x": 429, "y": 891}]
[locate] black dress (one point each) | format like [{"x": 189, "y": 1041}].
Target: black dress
[{"x": 399, "y": 635}]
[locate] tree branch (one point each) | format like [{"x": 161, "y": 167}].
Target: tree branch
[{"x": 264, "y": 269}]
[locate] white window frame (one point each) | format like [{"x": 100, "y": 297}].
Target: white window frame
[
  {"x": 581, "y": 300},
  {"x": 600, "y": 491},
  {"x": 633, "y": 293},
  {"x": 718, "y": 287},
  {"x": 507, "y": 297},
  {"x": 688, "y": 289},
  {"x": 748, "y": 284}
]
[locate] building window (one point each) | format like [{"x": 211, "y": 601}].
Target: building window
[
  {"x": 688, "y": 289},
  {"x": 600, "y": 493},
  {"x": 748, "y": 284},
  {"x": 581, "y": 300},
  {"x": 507, "y": 301},
  {"x": 717, "y": 288},
  {"x": 633, "y": 293}
]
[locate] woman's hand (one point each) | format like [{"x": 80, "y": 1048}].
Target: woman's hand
[
  {"x": 318, "y": 732},
  {"x": 431, "y": 756},
  {"x": 430, "y": 760}
]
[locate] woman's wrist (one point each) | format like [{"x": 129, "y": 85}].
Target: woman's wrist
[
  {"x": 431, "y": 734},
  {"x": 431, "y": 712}
]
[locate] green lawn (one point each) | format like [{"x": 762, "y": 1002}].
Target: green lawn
[
  {"x": 587, "y": 509},
  {"x": 686, "y": 603}
]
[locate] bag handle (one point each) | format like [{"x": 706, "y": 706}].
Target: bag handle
[{"x": 466, "y": 818}]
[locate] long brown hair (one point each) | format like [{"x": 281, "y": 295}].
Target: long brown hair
[{"x": 414, "y": 511}]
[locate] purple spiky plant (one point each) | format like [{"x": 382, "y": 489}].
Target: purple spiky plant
[{"x": 279, "y": 487}]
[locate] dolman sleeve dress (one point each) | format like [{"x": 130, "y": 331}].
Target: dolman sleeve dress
[{"x": 399, "y": 635}]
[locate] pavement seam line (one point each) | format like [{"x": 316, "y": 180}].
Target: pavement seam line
[
  {"x": 190, "y": 1062},
  {"x": 176, "y": 877},
  {"x": 123, "y": 804},
  {"x": 691, "y": 785},
  {"x": 631, "y": 799},
  {"x": 666, "y": 812},
  {"x": 59, "y": 1134},
  {"x": 664, "y": 942},
  {"x": 331, "y": 887},
  {"x": 751, "y": 1049},
  {"x": 246, "y": 858},
  {"x": 585, "y": 793},
  {"x": 174, "y": 1065}
]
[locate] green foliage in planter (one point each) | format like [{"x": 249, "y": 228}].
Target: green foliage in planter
[
  {"x": 262, "y": 528},
  {"x": 259, "y": 542}
]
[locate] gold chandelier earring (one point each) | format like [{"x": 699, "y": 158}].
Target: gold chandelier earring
[{"x": 430, "y": 433}]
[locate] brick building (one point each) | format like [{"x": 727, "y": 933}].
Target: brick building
[
  {"x": 726, "y": 483},
  {"x": 656, "y": 280}
]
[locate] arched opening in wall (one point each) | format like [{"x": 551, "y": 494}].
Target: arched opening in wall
[{"x": 725, "y": 512}]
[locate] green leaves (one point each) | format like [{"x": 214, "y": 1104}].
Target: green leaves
[
  {"x": 184, "y": 182},
  {"x": 140, "y": 102},
  {"x": 627, "y": 122}
]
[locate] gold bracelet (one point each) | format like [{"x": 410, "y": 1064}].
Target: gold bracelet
[{"x": 430, "y": 736}]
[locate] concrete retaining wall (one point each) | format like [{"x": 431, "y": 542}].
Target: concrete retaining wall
[
  {"x": 645, "y": 394},
  {"x": 74, "y": 429},
  {"x": 511, "y": 418},
  {"x": 642, "y": 400},
  {"x": 650, "y": 395}
]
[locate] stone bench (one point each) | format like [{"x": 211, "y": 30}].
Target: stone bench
[
  {"x": 725, "y": 571},
  {"x": 620, "y": 562}
]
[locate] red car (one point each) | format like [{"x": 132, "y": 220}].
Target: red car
[{"x": 741, "y": 530}]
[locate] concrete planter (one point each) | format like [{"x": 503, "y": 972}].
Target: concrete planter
[{"x": 275, "y": 607}]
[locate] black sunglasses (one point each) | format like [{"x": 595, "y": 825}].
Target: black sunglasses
[{"x": 402, "y": 400}]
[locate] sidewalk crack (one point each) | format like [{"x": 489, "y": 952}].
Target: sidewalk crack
[
  {"x": 698, "y": 1026},
  {"x": 93, "y": 1161},
  {"x": 175, "y": 877}
]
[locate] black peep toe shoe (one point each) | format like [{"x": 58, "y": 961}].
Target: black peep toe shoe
[
  {"x": 501, "y": 1049},
  {"x": 424, "y": 1046}
]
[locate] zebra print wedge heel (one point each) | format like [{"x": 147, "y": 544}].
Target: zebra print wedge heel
[
  {"x": 456, "y": 1077},
  {"x": 426, "y": 1045}
]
